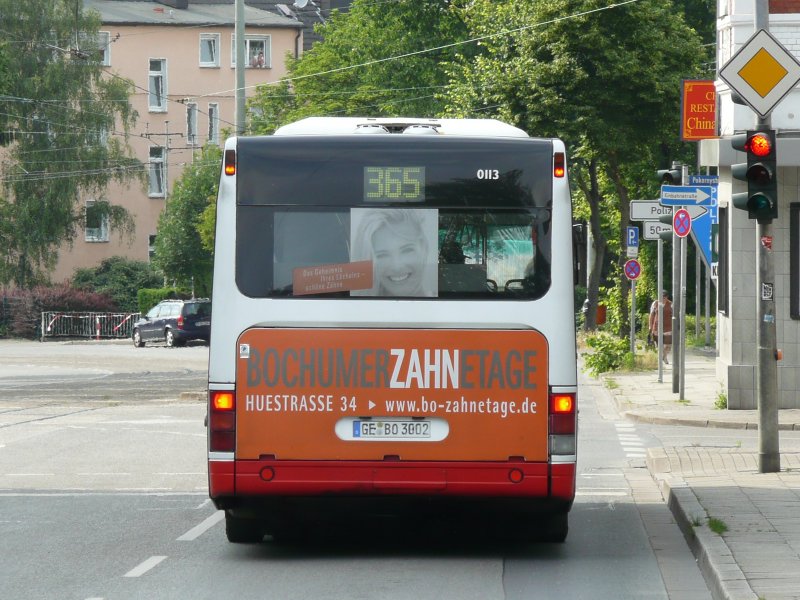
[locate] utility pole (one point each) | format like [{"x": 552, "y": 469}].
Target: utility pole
[{"x": 240, "y": 67}]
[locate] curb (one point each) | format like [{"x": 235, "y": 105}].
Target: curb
[{"x": 714, "y": 558}]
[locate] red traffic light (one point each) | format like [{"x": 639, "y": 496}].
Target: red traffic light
[{"x": 759, "y": 144}]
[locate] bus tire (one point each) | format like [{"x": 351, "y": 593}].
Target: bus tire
[
  {"x": 242, "y": 531},
  {"x": 555, "y": 528}
]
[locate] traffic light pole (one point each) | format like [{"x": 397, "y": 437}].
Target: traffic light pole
[{"x": 769, "y": 456}]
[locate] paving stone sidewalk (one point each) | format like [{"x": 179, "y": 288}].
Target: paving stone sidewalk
[{"x": 758, "y": 556}]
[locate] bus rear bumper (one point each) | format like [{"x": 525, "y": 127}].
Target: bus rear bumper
[{"x": 274, "y": 478}]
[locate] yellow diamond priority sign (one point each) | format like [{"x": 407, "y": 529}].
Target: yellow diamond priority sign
[{"x": 762, "y": 72}]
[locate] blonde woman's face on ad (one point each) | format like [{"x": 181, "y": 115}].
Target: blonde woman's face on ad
[{"x": 398, "y": 259}]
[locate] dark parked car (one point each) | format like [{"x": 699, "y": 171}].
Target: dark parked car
[{"x": 174, "y": 322}]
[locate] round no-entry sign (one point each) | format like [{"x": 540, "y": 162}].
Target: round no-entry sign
[
  {"x": 681, "y": 222},
  {"x": 633, "y": 269}
]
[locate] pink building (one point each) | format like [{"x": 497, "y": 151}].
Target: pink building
[{"x": 180, "y": 56}]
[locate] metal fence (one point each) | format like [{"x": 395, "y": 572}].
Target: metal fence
[{"x": 95, "y": 325}]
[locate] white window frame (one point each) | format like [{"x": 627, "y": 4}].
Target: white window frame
[
  {"x": 94, "y": 234},
  {"x": 154, "y": 76},
  {"x": 214, "y": 40},
  {"x": 104, "y": 43},
  {"x": 157, "y": 173},
  {"x": 248, "y": 40},
  {"x": 192, "y": 137},
  {"x": 213, "y": 123}
]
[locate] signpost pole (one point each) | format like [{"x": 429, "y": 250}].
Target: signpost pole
[
  {"x": 698, "y": 272},
  {"x": 659, "y": 290},
  {"x": 633, "y": 316},
  {"x": 708, "y": 308},
  {"x": 769, "y": 457},
  {"x": 682, "y": 338}
]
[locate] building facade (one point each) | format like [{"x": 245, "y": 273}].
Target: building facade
[
  {"x": 737, "y": 300},
  {"x": 181, "y": 58}
]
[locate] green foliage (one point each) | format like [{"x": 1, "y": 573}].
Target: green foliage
[
  {"x": 57, "y": 113},
  {"x": 368, "y": 64},
  {"x": 179, "y": 250},
  {"x": 592, "y": 77},
  {"x": 608, "y": 353},
  {"x": 718, "y": 526},
  {"x": 119, "y": 278},
  {"x": 721, "y": 403},
  {"x": 148, "y": 297}
]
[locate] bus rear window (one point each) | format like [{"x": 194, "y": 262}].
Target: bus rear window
[{"x": 392, "y": 252}]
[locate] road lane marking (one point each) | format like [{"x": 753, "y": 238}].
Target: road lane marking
[
  {"x": 145, "y": 566},
  {"x": 198, "y": 530}
]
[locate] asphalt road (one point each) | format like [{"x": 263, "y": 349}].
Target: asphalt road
[{"x": 103, "y": 495}]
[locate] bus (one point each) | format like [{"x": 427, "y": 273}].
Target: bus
[{"x": 393, "y": 326}]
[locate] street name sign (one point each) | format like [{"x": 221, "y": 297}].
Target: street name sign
[
  {"x": 683, "y": 195},
  {"x": 762, "y": 72}
]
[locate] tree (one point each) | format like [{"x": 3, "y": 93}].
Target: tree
[
  {"x": 179, "y": 250},
  {"x": 374, "y": 60},
  {"x": 64, "y": 122},
  {"x": 118, "y": 278},
  {"x": 606, "y": 81}
]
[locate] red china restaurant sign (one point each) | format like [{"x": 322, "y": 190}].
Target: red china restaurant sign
[{"x": 698, "y": 110}]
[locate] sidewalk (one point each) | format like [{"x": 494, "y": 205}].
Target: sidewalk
[{"x": 759, "y": 554}]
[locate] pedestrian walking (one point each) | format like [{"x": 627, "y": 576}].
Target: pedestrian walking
[{"x": 653, "y": 323}]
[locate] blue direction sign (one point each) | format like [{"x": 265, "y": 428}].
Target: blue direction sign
[
  {"x": 688, "y": 195},
  {"x": 701, "y": 232}
]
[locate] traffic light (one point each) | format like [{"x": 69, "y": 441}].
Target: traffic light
[
  {"x": 670, "y": 176},
  {"x": 760, "y": 172}
]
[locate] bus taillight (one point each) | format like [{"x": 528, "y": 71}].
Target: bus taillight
[
  {"x": 559, "y": 164},
  {"x": 562, "y": 423},
  {"x": 230, "y": 162},
  {"x": 222, "y": 421}
]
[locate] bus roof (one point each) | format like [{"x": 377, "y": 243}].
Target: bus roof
[{"x": 347, "y": 125}]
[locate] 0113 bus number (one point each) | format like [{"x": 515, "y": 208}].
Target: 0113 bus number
[{"x": 488, "y": 174}]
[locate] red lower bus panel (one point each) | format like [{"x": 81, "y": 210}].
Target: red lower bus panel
[
  {"x": 563, "y": 485},
  {"x": 220, "y": 478},
  {"x": 371, "y": 478}
]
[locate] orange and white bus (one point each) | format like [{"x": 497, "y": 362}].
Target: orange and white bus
[{"x": 393, "y": 322}]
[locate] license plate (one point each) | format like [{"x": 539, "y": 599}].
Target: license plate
[
  {"x": 203, "y": 323},
  {"x": 391, "y": 430}
]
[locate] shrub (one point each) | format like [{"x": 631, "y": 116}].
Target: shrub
[
  {"x": 27, "y": 306},
  {"x": 609, "y": 353},
  {"x": 119, "y": 278}
]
